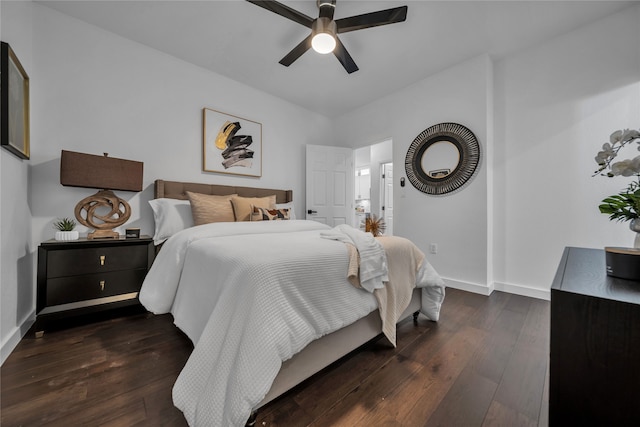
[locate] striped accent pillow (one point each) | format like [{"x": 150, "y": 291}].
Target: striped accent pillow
[{"x": 263, "y": 214}]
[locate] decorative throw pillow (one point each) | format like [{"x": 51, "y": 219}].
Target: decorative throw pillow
[
  {"x": 243, "y": 206},
  {"x": 288, "y": 205},
  {"x": 208, "y": 208},
  {"x": 262, "y": 214},
  {"x": 170, "y": 216}
]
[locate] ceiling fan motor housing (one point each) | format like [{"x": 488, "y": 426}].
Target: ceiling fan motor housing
[{"x": 324, "y": 25}]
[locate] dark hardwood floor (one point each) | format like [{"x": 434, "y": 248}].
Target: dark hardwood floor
[{"x": 484, "y": 364}]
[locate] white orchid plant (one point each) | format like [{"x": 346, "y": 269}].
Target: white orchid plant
[{"x": 624, "y": 206}]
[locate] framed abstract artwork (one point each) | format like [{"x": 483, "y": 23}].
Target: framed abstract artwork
[
  {"x": 231, "y": 144},
  {"x": 14, "y": 103}
]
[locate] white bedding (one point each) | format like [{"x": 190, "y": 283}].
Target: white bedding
[{"x": 250, "y": 295}]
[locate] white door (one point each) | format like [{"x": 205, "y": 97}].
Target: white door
[
  {"x": 330, "y": 185},
  {"x": 387, "y": 197}
]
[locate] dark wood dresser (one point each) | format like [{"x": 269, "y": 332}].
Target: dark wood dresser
[
  {"x": 594, "y": 376},
  {"x": 87, "y": 276}
]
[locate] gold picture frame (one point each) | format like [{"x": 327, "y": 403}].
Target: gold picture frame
[
  {"x": 14, "y": 103},
  {"x": 231, "y": 144}
]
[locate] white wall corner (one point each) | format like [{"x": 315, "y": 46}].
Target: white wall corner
[
  {"x": 476, "y": 288},
  {"x": 489, "y": 164}
]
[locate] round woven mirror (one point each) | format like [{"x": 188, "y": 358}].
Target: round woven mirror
[{"x": 442, "y": 158}]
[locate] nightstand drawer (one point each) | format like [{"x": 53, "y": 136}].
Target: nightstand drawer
[
  {"x": 80, "y": 261},
  {"x": 64, "y": 290}
]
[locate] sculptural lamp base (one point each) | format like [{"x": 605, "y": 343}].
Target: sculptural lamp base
[
  {"x": 103, "y": 212},
  {"x": 103, "y": 234}
]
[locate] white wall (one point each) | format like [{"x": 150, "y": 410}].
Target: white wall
[
  {"x": 556, "y": 104},
  {"x": 95, "y": 92},
  {"x": 458, "y": 222},
  {"x": 16, "y": 266}
]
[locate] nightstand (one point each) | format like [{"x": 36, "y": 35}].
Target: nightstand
[{"x": 89, "y": 276}]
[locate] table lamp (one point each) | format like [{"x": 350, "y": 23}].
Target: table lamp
[{"x": 103, "y": 211}]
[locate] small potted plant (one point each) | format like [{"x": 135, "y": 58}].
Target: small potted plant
[
  {"x": 374, "y": 225},
  {"x": 65, "y": 227}
]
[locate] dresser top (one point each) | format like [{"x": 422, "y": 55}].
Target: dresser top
[{"x": 583, "y": 271}]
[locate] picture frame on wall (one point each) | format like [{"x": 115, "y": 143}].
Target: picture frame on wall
[
  {"x": 231, "y": 144},
  {"x": 14, "y": 103}
]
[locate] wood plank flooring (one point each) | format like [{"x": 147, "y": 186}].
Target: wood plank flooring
[{"x": 484, "y": 363}]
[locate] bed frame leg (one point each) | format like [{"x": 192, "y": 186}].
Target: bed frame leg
[
  {"x": 415, "y": 317},
  {"x": 252, "y": 419}
]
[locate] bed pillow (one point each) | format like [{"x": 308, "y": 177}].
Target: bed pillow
[
  {"x": 170, "y": 216},
  {"x": 243, "y": 206},
  {"x": 292, "y": 211},
  {"x": 263, "y": 214},
  {"x": 207, "y": 208}
]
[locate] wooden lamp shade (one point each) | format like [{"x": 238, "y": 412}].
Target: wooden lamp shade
[{"x": 107, "y": 174}]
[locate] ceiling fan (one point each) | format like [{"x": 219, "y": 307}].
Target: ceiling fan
[{"x": 325, "y": 30}]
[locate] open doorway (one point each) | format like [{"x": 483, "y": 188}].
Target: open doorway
[{"x": 373, "y": 195}]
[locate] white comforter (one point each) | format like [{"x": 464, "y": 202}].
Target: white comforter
[{"x": 249, "y": 295}]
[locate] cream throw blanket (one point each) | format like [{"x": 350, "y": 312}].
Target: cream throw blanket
[{"x": 404, "y": 260}]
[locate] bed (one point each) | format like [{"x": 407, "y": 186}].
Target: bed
[{"x": 225, "y": 281}]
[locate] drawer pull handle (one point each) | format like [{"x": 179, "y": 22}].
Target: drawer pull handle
[
  {"x": 102, "y": 258},
  {"x": 102, "y": 285}
]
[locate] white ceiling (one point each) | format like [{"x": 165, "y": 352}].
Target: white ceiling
[{"x": 245, "y": 42}]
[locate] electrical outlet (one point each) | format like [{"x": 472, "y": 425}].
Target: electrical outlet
[{"x": 433, "y": 248}]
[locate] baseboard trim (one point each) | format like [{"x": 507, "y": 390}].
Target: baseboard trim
[
  {"x": 526, "y": 291},
  {"x": 14, "y": 338},
  {"x": 469, "y": 287},
  {"x": 476, "y": 288}
]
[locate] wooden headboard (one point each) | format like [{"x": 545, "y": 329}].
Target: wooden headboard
[{"x": 178, "y": 190}]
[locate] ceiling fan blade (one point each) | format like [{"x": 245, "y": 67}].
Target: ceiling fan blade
[
  {"x": 343, "y": 56},
  {"x": 373, "y": 19},
  {"x": 285, "y": 11},
  {"x": 296, "y": 52},
  {"x": 327, "y": 8}
]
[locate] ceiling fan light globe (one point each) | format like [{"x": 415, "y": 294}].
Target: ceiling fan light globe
[{"x": 323, "y": 43}]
